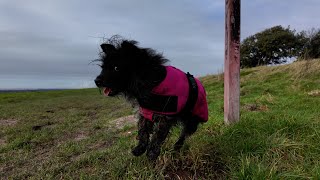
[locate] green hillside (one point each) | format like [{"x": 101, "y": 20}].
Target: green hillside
[{"x": 72, "y": 134}]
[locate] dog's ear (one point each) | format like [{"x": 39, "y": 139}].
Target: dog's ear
[
  {"x": 129, "y": 45},
  {"x": 107, "y": 48}
]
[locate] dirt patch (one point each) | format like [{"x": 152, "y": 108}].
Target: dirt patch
[
  {"x": 8, "y": 122},
  {"x": 92, "y": 115},
  {"x": 314, "y": 93},
  {"x": 39, "y": 127},
  {"x": 81, "y": 136},
  {"x": 129, "y": 132},
  {"x": 3, "y": 142},
  {"x": 255, "y": 107},
  {"x": 43, "y": 155},
  {"x": 120, "y": 123}
]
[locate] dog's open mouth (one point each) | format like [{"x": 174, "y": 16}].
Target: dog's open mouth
[{"x": 107, "y": 91}]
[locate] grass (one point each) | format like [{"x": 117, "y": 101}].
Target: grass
[{"x": 69, "y": 134}]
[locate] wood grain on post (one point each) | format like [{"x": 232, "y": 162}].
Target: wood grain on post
[{"x": 232, "y": 62}]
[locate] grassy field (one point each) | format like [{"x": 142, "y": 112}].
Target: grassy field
[{"x": 71, "y": 134}]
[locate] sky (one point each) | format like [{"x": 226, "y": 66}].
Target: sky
[{"x": 49, "y": 44}]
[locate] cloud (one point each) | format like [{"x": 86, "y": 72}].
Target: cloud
[
  {"x": 262, "y": 14},
  {"x": 54, "y": 40}
]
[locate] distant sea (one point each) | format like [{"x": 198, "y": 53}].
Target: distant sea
[{"x": 28, "y": 90}]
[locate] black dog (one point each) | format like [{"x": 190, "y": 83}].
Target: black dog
[{"x": 165, "y": 95}]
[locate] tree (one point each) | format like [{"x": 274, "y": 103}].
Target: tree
[
  {"x": 311, "y": 40},
  {"x": 271, "y": 46}
]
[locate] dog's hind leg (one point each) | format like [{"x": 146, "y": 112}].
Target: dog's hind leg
[
  {"x": 145, "y": 128},
  {"x": 162, "y": 130},
  {"x": 190, "y": 125}
]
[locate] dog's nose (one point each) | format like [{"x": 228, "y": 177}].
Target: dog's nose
[{"x": 98, "y": 81}]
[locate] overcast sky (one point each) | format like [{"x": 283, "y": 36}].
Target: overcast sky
[{"x": 49, "y": 43}]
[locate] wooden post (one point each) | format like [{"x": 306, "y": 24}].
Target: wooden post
[{"x": 232, "y": 62}]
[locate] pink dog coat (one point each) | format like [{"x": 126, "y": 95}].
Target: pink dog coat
[{"x": 175, "y": 89}]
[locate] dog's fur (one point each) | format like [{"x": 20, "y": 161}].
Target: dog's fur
[{"x": 133, "y": 72}]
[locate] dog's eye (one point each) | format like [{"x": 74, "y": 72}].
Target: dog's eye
[{"x": 116, "y": 68}]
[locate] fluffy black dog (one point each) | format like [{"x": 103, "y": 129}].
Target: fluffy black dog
[{"x": 165, "y": 95}]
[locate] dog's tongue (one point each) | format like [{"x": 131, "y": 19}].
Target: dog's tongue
[{"x": 106, "y": 91}]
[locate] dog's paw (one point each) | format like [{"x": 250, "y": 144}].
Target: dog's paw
[
  {"x": 153, "y": 154},
  {"x": 139, "y": 150}
]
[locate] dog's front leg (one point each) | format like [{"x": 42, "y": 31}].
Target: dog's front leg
[
  {"x": 162, "y": 130},
  {"x": 145, "y": 128}
]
